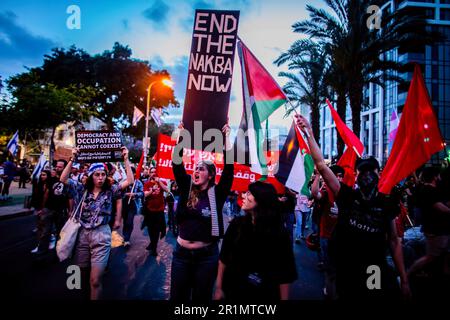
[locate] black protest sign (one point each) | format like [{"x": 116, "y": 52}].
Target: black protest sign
[
  {"x": 98, "y": 146},
  {"x": 210, "y": 69}
]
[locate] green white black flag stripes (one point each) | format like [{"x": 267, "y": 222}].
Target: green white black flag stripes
[{"x": 262, "y": 96}]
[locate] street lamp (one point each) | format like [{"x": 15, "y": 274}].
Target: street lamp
[{"x": 166, "y": 82}]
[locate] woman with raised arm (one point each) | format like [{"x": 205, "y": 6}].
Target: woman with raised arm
[
  {"x": 95, "y": 204},
  {"x": 200, "y": 225}
]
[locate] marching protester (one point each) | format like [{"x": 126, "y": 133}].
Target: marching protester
[
  {"x": 302, "y": 213},
  {"x": 288, "y": 201},
  {"x": 9, "y": 172},
  {"x": 256, "y": 258},
  {"x": 200, "y": 225},
  {"x": 54, "y": 214},
  {"x": 131, "y": 203},
  {"x": 95, "y": 205},
  {"x": 39, "y": 196},
  {"x": 365, "y": 229},
  {"x": 24, "y": 174},
  {"x": 326, "y": 209},
  {"x": 171, "y": 200},
  {"x": 435, "y": 212},
  {"x": 153, "y": 210}
]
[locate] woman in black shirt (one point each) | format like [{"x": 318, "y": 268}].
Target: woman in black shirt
[
  {"x": 256, "y": 260},
  {"x": 200, "y": 226}
]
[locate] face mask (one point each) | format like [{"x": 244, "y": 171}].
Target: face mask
[{"x": 367, "y": 182}]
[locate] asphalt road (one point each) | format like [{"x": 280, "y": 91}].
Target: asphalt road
[{"x": 133, "y": 273}]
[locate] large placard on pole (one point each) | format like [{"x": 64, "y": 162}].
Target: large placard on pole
[
  {"x": 98, "y": 146},
  {"x": 210, "y": 69}
]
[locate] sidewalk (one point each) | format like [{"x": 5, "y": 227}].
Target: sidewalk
[{"x": 14, "y": 208}]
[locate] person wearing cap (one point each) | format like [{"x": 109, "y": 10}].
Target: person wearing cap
[
  {"x": 96, "y": 205},
  {"x": 257, "y": 259},
  {"x": 200, "y": 224},
  {"x": 364, "y": 231}
]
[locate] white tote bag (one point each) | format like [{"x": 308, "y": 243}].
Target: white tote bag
[{"x": 68, "y": 234}]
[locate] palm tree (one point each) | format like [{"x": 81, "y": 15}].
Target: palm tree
[
  {"x": 359, "y": 51},
  {"x": 307, "y": 84},
  {"x": 318, "y": 77}
]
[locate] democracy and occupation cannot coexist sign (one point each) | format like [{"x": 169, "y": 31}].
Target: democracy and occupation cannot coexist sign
[
  {"x": 210, "y": 69},
  {"x": 98, "y": 146}
]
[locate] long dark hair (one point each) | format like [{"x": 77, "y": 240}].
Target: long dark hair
[
  {"x": 267, "y": 213},
  {"x": 90, "y": 184},
  {"x": 195, "y": 190},
  {"x": 47, "y": 182}
]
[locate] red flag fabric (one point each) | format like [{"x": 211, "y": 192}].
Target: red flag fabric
[
  {"x": 347, "y": 162},
  {"x": 139, "y": 167},
  {"x": 350, "y": 139},
  {"x": 418, "y": 136}
]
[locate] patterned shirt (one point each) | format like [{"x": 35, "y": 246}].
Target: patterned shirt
[{"x": 97, "y": 212}]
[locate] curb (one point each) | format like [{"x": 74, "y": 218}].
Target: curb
[{"x": 22, "y": 213}]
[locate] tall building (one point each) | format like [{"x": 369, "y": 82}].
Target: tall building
[{"x": 380, "y": 102}]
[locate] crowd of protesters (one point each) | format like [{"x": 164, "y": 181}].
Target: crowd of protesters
[{"x": 235, "y": 245}]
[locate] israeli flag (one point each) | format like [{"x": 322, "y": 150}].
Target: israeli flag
[
  {"x": 39, "y": 167},
  {"x": 156, "y": 115},
  {"x": 137, "y": 115},
  {"x": 13, "y": 143}
]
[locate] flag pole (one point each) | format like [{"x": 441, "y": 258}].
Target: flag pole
[{"x": 132, "y": 189}]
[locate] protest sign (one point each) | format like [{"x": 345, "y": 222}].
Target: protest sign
[
  {"x": 210, "y": 70},
  {"x": 243, "y": 176},
  {"x": 98, "y": 146}
]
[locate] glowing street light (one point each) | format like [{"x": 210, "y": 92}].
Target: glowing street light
[{"x": 168, "y": 83}]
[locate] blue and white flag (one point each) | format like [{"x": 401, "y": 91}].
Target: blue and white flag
[
  {"x": 39, "y": 167},
  {"x": 156, "y": 115},
  {"x": 137, "y": 115},
  {"x": 13, "y": 143}
]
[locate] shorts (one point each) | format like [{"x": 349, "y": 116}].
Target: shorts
[
  {"x": 93, "y": 247},
  {"x": 437, "y": 245}
]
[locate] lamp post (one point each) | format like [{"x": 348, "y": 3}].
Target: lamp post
[{"x": 167, "y": 83}]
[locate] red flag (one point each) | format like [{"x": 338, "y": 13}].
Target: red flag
[
  {"x": 139, "y": 167},
  {"x": 418, "y": 136},
  {"x": 347, "y": 162},
  {"x": 354, "y": 149},
  {"x": 350, "y": 139}
]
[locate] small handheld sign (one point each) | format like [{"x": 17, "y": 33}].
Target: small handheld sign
[{"x": 98, "y": 146}]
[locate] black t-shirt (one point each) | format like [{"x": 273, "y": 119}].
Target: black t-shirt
[
  {"x": 433, "y": 221},
  {"x": 361, "y": 235},
  {"x": 196, "y": 225},
  {"x": 57, "y": 196},
  {"x": 256, "y": 264}
]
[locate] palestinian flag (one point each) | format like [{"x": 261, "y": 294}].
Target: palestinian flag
[
  {"x": 296, "y": 164},
  {"x": 262, "y": 96}
]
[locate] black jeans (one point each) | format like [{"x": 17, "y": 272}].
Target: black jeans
[
  {"x": 194, "y": 273},
  {"x": 6, "y": 185},
  {"x": 156, "y": 225},
  {"x": 22, "y": 182}
]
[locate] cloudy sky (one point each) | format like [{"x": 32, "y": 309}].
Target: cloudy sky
[{"x": 156, "y": 30}]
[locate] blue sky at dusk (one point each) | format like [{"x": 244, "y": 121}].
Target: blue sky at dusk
[{"x": 156, "y": 30}]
